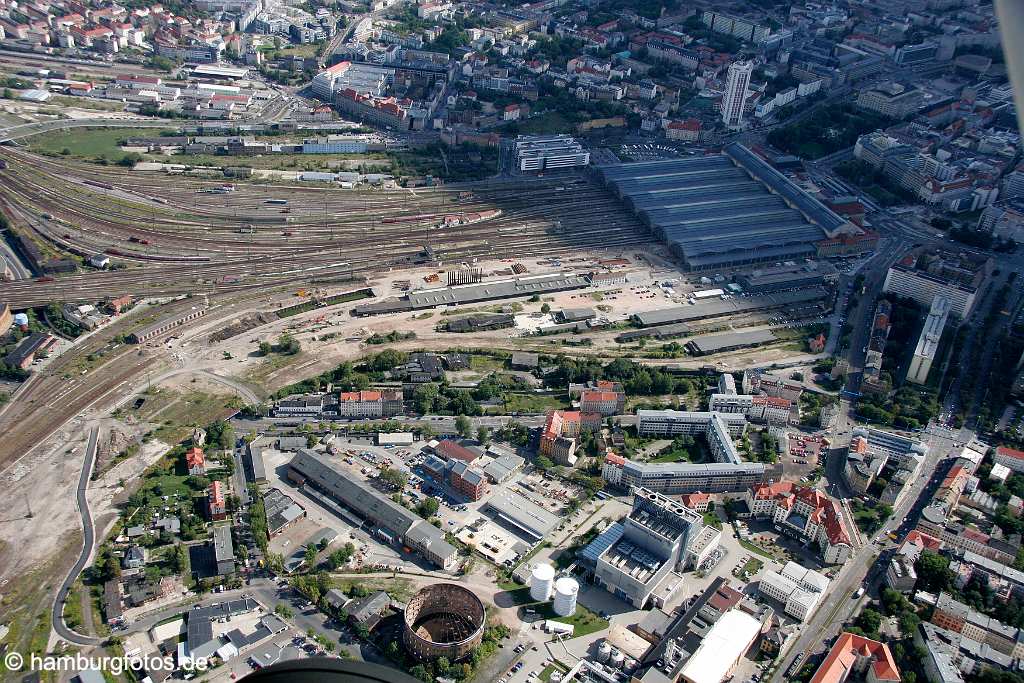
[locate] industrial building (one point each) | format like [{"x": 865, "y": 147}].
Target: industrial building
[
  {"x": 521, "y": 514},
  {"x": 928, "y": 342},
  {"x": 683, "y": 477},
  {"x": 725, "y": 210},
  {"x": 728, "y": 341},
  {"x": 394, "y": 521},
  {"x": 722, "y": 648},
  {"x": 472, "y": 293},
  {"x": 812, "y": 297},
  {"x": 653, "y": 543},
  {"x": 165, "y": 325}
]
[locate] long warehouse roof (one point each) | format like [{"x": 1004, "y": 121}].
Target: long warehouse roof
[
  {"x": 710, "y": 308},
  {"x": 723, "y": 209},
  {"x": 730, "y": 340}
]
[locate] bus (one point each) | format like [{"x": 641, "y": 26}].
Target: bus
[{"x": 279, "y": 202}]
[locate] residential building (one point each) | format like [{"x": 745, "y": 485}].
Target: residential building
[
  {"x": 758, "y": 382},
  {"x": 370, "y": 403},
  {"x": 957, "y": 617},
  {"x": 928, "y": 341},
  {"x": 736, "y": 91},
  {"x": 216, "y": 506},
  {"x": 223, "y": 550},
  {"x": 195, "y": 462},
  {"x": 804, "y": 513},
  {"x": 605, "y": 402},
  {"x": 872, "y": 451},
  {"x": 922, "y": 276},
  {"x": 562, "y": 427},
  {"x": 950, "y": 656},
  {"x": 466, "y": 480},
  {"x": 744, "y": 29},
  {"x": 1010, "y": 458},
  {"x": 854, "y": 657}
]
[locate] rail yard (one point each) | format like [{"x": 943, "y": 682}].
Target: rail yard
[{"x": 170, "y": 235}]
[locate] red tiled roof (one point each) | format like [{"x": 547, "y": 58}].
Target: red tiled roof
[
  {"x": 843, "y": 656},
  {"x": 453, "y": 451},
  {"x": 922, "y": 540},
  {"x": 194, "y": 457},
  {"x": 1007, "y": 452}
]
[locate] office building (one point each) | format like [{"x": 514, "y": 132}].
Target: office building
[
  {"x": 682, "y": 477},
  {"x": 366, "y": 79},
  {"x": 928, "y": 341},
  {"x": 799, "y": 589},
  {"x": 604, "y": 401},
  {"x": 653, "y": 543},
  {"x": 744, "y": 29},
  {"x": 805, "y": 514},
  {"x": 370, "y": 403},
  {"x": 736, "y": 90},
  {"x": 891, "y": 99},
  {"x": 532, "y": 153},
  {"x": 909, "y": 55},
  {"x": 672, "y": 423},
  {"x": 922, "y": 275},
  {"x": 872, "y": 450},
  {"x": 761, "y": 409}
]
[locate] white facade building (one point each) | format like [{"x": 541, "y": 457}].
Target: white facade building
[{"x": 736, "y": 93}]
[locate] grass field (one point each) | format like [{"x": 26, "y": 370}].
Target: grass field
[
  {"x": 89, "y": 142},
  {"x": 533, "y": 403},
  {"x": 584, "y": 621},
  {"x": 551, "y": 122},
  {"x": 286, "y": 162}
]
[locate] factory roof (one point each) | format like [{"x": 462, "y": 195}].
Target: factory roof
[
  {"x": 354, "y": 493},
  {"x": 724, "y": 644},
  {"x": 725, "y": 209},
  {"x": 522, "y": 513},
  {"x": 497, "y": 289},
  {"x": 729, "y": 340},
  {"x": 710, "y": 308}
]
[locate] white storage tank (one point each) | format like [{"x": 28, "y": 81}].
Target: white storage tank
[
  {"x": 540, "y": 582},
  {"x": 618, "y": 659},
  {"x": 604, "y": 651},
  {"x": 566, "y": 590}
]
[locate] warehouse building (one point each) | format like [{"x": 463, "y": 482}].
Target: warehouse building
[
  {"x": 717, "y": 308},
  {"x": 308, "y": 468},
  {"x": 521, "y": 514},
  {"x": 467, "y": 294},
  {"x": 724, "y": 210},
  {"x": 728, "y": 341},
  {"x": 165, "y": 325}
]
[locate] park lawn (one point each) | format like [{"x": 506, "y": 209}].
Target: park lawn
[
  {"x": 399, "y": 589},
  {"x": 548, "y": 122},
  {"x": 533, "y": 403},
  {"x": 89, "y": 142},
  {"x": 754, "y": 548},
  {"x": 307, "y": 50},
  {"x": 584, "y": 621},
  {"x": 751, "y": 567}
]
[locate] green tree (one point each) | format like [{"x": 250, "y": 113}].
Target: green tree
[
  {"x": 310, "y": 556},
  {"x": 265, "y": 348},
  {"x": 427, "y": 508},
  {"x": 396, "y": 478},
  {"x": 483, "y": 434},
  {"x": 463, "y": 426},
  {"x": 545, "y": 308},
  {"x": 933, "y": 573}
]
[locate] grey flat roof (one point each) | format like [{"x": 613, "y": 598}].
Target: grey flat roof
[
  {"x": 522, "y": 513},
  {"x": 498, "y": 289},
  {"x": 730, "y": 208},
  {"x": 222, "y": 546},
  {"x": 711, "y": 308},
  {"x": 716, "y": 342},
  {"x": 355, "y": 494}
]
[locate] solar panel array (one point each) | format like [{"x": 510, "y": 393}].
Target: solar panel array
[{"x": 722, "y": 210}]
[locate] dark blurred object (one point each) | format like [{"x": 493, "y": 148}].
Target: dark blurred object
[{"x": 327, "y": 670}]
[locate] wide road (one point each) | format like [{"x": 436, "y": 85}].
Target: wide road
[{"x": 89, "y": 534}]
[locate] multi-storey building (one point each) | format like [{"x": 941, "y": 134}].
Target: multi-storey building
[
  {"x": 603, "y": 401},
  {"x": 562, "y": 427},
  {"x": 544, "y": 152},
  {"x": 891, "y": 99},
  {"x": 195, "y": 462},
  {"x": 651, "y": 543},
  {"x": 799, "y": 589},
  {"x": 805, "y": 513},
  {"x": 755, "y": 382},
  {"x": 370, "y": 403},
  {"x": 928, "y": 341},
  {"x": 855, "y": 658},
  {"x": 916, "y": 54},
  {"x": 216, "y": 507},
  {"x": 466, "y": 480},
  {"x": 1010, "y": 457},
  {"x": 744, "y": 29},
  {"x": 682, "y": 477},
  {"x": 736, "y": 90},
  {"x": 872, "y": 450},
  {"x": 924, "y": 276},
  {"x": 672, "y": 423},
  {"x": 955, "y": 616}
]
